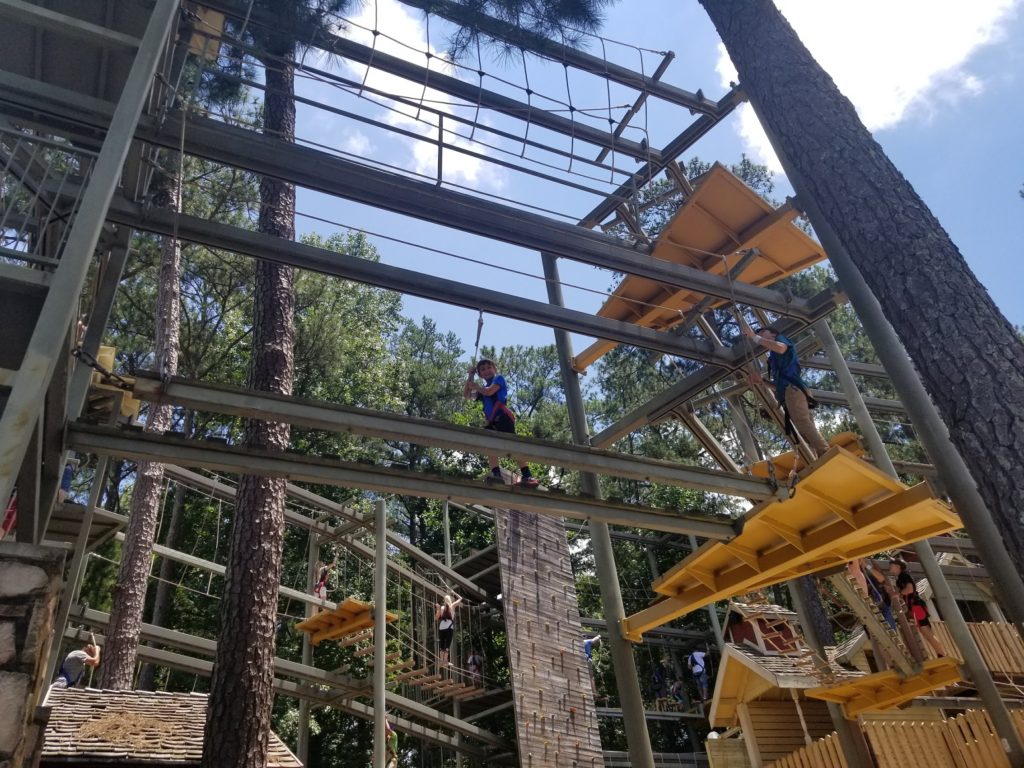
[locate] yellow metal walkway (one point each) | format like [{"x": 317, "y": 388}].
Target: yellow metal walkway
[
  {"x": 885, "y": 690},
  {"x": 722, "y": 216},
  {"x": 348, "y": 618},
  {"x": 843, "y": 508}
]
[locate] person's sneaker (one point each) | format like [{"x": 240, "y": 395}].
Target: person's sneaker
[
  {"x": 529, "y": 482},
  {"x": 493, "y": 478}
]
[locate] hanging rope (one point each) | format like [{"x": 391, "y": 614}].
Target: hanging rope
[{"x": 479, "y": 332}]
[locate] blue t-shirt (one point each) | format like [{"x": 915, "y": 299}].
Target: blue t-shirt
[
  {"x": 784, "y": 368},
  {"x": 498, "y": 397}
]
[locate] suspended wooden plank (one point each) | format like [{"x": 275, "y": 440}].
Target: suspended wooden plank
[
  {"x": 348, "y": 618},
  {"x": 885, "y": 690},
  {"x": 843, "y": 508}
]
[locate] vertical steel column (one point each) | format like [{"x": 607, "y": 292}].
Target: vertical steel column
[
  {"x": 380, "y": 628},
  {"x": 77, "y": 568},
  {"x": 626, "y": 681},
  {"x": 58, "y": 312},
  {"x": 313, "y": 557},
  {"x": 922, "y": 411},
  {"x": 447, "y": 530},
  {"x": 977, "y": 670}
]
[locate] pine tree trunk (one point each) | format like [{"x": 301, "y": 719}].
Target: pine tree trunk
[
  {"x": 119, "y": 654},
  {"x": 969, "y": 358},
  {"x": 238, "y": 717}
]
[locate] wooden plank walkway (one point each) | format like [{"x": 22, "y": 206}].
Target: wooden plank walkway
[{"x": 556, "y": 718}]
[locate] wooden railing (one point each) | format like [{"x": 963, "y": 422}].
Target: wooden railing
[{"x": 823, "y": 753}]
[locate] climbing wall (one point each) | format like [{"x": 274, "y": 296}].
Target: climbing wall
[{"x": 556, "y": 717}]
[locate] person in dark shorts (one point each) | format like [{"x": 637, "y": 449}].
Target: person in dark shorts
[
  {"x": 494, "y": 396},
  {"x": 444, "y": 615},
  {"x": 917, "y": 608}
]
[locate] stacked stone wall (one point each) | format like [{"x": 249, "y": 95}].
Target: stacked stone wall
[{"x": 30, "y": 583}]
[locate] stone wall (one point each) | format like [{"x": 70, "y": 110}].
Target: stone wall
[{"x": 30, "y": 583}]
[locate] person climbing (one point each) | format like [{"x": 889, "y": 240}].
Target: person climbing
[
  {"x": 697, "y": 662},
  {"x": 494, "y": 396},
  {"x": 678, "y": 692},
  {"x": 917, "y": 608},
  {"x": 444, "y": 615},
  {"x": 475, "y": 666},
  {"x": 588, "y": 648},
  {"x": 391, "y": 748},
  {"x": 72, "y": 669},
  {"x": 658, "y": 682},
  {"x": 876, "y": 583},
  {"x": 790, "y": 390},
  {"x": 323, "y": 576}
]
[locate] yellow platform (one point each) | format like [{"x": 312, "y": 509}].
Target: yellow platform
[
  {"x": 106, "y": 357},
  {"x": 348, "y": 618},
  {"x": 844, "y": 508},
  {"x": 722, "y": 216},
  {"x": 885, "y": 690},
  {"x": 784, "y": 463}
]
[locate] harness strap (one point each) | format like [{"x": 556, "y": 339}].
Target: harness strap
[{"x": 499, "y": 406}]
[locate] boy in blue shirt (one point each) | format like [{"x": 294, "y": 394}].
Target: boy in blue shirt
[
  {"x": 790, "y": 390},
  {"x": 494, "y": 396}
]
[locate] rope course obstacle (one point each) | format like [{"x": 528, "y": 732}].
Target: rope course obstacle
[{"x": 78, "y": 187}]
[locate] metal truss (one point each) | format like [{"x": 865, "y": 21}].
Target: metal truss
[
  {"x": 237, "y": 401},
  {"x": 209, "y": 455}
]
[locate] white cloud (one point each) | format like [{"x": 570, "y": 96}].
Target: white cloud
[
  {"x": 891, "y": 59},
  {"x": 406, "y": 38},
  {"x": 357, "y": 143}
]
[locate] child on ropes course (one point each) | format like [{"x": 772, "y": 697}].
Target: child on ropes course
[
  {"x": 790, "y": 390},
  {"x": 391, "y": 741},
  {"x": 444, "y": 615},
  {"x": 494, "y": 395},
  {"x": 917, "y": 608},
  {"x": 72, "y": 669}
]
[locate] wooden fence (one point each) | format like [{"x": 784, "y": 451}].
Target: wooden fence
[
  {"x": 823, "y": 753},
  {"x": 964, "y": 741}
]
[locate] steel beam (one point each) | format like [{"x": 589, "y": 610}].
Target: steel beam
[
  {"x": 44, "y": 18},
  {"x": 206, "y": 647},
  {"x": 165, "y": 449},
  {"x": 823, "y": 305},
  {"x": 58, "y": 312},
  {"x": 246, "y": 403},
  {"x": 406, "y": 281},
  {"x": 342, "y": 534},
  {"x": 320, "y": 171}
]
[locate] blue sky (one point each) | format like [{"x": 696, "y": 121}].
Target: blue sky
[{"x": 942, "y": 90}]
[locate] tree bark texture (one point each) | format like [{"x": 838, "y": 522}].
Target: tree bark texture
[
  {"x": 238, "y": 716},
  {"x": 966, "y": 352},
  {"x": 119, "y": 654}
]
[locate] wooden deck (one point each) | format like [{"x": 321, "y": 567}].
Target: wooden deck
[{"x": 350, "y": 617}]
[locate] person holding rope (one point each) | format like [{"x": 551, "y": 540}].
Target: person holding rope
[
  {"x": 790, "y": 390},
  {"x": 444, "y": 615},
  {"x": 494, "y": 396},
  {"x": 390, "y": 745}
]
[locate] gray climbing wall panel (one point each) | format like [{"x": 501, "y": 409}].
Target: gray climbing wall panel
[{"x": 556, "y": 718}]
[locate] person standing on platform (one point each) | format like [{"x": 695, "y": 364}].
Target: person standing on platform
[
  {"x": 917, "y": 608},
  {"x": 697, "y": 662},
  {"x": 494, "y": 396},
  {"x": 444, "y": 615},
  {"x": 790, "y": 390}
]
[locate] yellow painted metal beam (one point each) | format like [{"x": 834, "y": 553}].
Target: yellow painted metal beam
[
  {"x": 885, "y": 690},
  {"x": 843, "y": 509}
]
